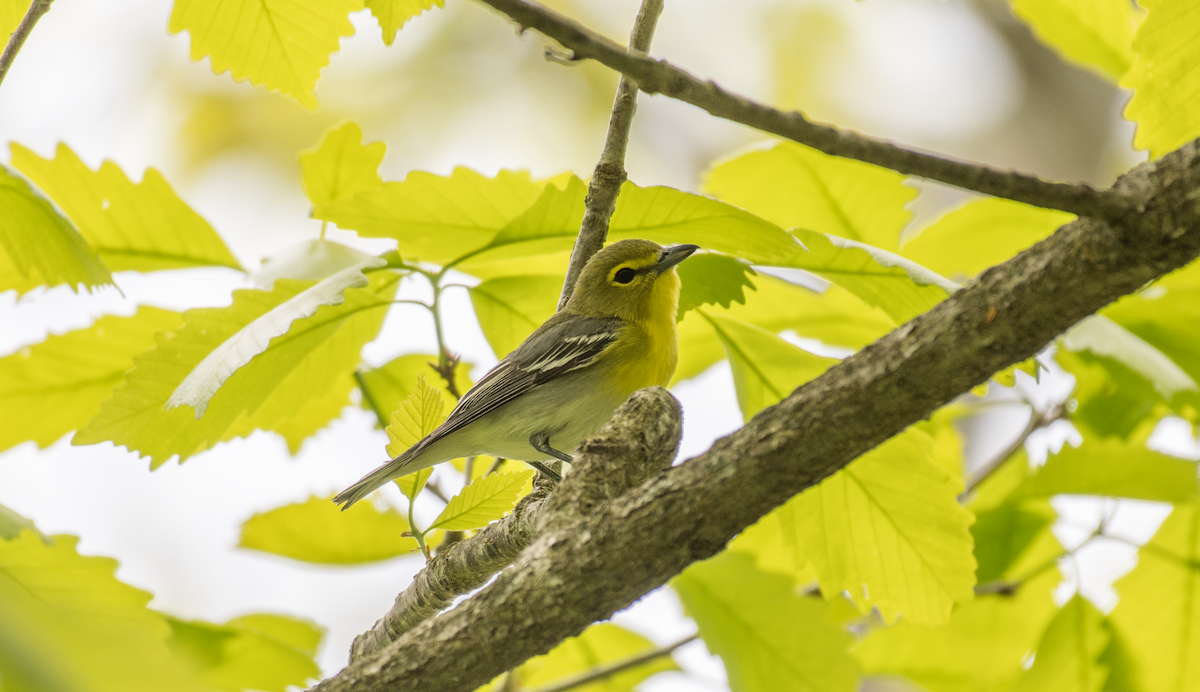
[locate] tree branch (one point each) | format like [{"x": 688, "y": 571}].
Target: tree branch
[
  {"x": 573, "y": 575},
  {"x": 661, "y": 77},
  {"x": 35, "y": 12},
  {"x": 610, "y": 170}
]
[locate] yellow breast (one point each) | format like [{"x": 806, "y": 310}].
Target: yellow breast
[{"x": 651, "y": 350}]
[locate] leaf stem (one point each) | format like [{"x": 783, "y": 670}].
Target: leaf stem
[
  {"x": 608, "y": 670},
  {"x": 1037, "y": 421},
  {"x": 36, "y": 9},
  {"x": 417, "y": 533}
]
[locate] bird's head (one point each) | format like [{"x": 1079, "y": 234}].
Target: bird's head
[{"x": 630, "y": 279}]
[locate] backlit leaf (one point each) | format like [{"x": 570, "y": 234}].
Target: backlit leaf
[
  {"x": 709, "y": 279},
  {"x": 1113, "y": 468},
  {"x": 49, "y": 389},
  {"x": 511, "y": 307},
  {"x": 310, "y": 260},
  {"x": 1110, "y": 398},
  {"x": 1094, "y": 33},
  {"x": 385, "y": 388},
  {"x": 768, "y": 637},
  {"x": 482, "y": 502},
  {"x": 393, "y": 14},
  {"x": 38, "y": 247},
  {"x": 133, "y": 226},
  {"x": 257, "y": 652},
  {"x": 317, "y": 531},
  {"x": 1003, "y": 534},
  {"x": 1067, "y": 658},
  {"x": 420, "y": 414},
  {"x": 12, "y": 524},
  {"x": 1105, "y": 337},
  {"x": 280, "y": 44},
  {"x": 11, "y": 12},
  {"x": 1165, "y": 77},
  {"x": 601, "y": 644},
  {"x": 342, "y": 166}
]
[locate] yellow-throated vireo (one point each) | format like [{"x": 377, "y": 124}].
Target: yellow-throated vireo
[{"x": 615, "y": 336}]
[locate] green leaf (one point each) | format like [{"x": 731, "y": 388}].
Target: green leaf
[
  {"x": 198, "y": 388},
  {"x": 310, "y": 260},
  {"x": 1067, "y": 658},
  {"x": 420, "y": 414},
  {"x": 134, "y": 226},
  {"x": 981, "y": 234},
  {"x": 275, "y": 387},
  {"x": 317, "y": 531},
  {"x": 385, "y": 388},
  {"x": 888, "y": 530},
  {"x": 1105, "y": 337},
  {"x": 1004, "y": 534},
  {"x": 793, "y": 186},
  {"x": 1157, "y": 612},
  {"x": 258, "y": 651},
  {"x": 412, "y": 484},
  {"x": 280, "y": 44},
  {"x": 393, "y": 14},
  {"x": 1110, "y": 398},
  {"x": 601, "y": 644},
  {"x": 1094, "y": 33},
  {"x": 510, "y": 308},
  {"x": 1165, "y": 77},
  {"x": 834, "y": 317},
  {"x": 38, "y": 247},
  {"x": 777, "y": 546},
  {"x": 12, "y": 524},
  {"x": 483, "y": 501},
  {"x": 342, "y": 166},
  {"x": 96, "y": 628},
  {"x": 49, "y": 389},
  {"x": 768, "y": 637},
  {"x": 898, "y": 286},
  {"x": 709, "y": 279},
  {"x": 765, "y": 367},
  {"x": 11, "y": 13},
  {"x": 1112, "y": 468}
]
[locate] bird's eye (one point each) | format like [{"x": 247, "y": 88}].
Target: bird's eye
[{"x": 624, "y": 275}]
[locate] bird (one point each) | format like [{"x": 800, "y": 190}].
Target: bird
[{"x": 615, "y": 335}]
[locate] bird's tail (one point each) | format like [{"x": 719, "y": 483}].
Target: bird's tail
[{"x": 379, "y": 477}]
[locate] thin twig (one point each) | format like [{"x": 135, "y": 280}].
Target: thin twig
[
  {"x": 610, "y": 169},
  {"x": 1037, "y": 421},
  {"x": 606, "y": 671},
  {"x": 661, "y": 77},
  {"x": 36, "y": 9}
]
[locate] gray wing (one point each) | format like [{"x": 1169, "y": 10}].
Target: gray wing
[{"x": 555, "y": 349}]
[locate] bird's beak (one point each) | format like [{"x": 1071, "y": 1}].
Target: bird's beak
[{"x": 673, "y": 256}]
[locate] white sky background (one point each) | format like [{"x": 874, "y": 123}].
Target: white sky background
[{"x": 105, "y": 78}]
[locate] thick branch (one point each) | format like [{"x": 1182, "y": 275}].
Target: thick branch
[
  {"x": 610, "y": 170},
  {"x": 574, "y": 575},
  {"x": 17, "y": 39},
  {"x": 660, "y": 77}
]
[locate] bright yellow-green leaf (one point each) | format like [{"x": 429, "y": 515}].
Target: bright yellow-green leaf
[
  {"x": 765, "y": 367},
  {"x": 99, "y": 628},
  {"x": 49, "y": 389},
  {"x": 511, "y": 307},
  {"x": 11, "y": 12},
  {"x": 393, "y": 14},
  {"x": 888, "y": 530},
  {"x": 794, "y": 186},
  {"x": 275, "y": 387},
  {"x": 980, "y": 234},
  {"x": 436, "y": 218},
  {"x": 1067, "y": 658},
  {"x": 769, "y": 638},
  {"x": 482, "y": 502},
  {"x": 258, "y": 651},
  {"x": 1003, "y": 535},
  {"x": 310, "y": 260},
  {"x": 412, "y": 484},
  {"x": 296, "y": 425},
  {"x": 834, "y": 317},
  {"x": 1165, "y": 77},
  {"x": 134, "y": 226},
  {"x": 12, "y": 524},
  {"x": 317, "y": 531},
  {"x": 385, "y": 388},
  {"x": 900, "y": 287},
  {"x": 1105, "y": 337},
  {"x": 776, "y": 545},
  {"x": 280, "y": 44},
  {"x": 1158, "y": 614},
  {"x": 342, "y": 166},
  {"x": 418, "y": 416},
  {"x": 709, "y": 279},
  {"x": 1113, "y": 468},
  {"x": 1111, "y": 399},
  {"x": 38, "y": 247},
  {"x": 1094, "y": 33},
  {"x": 601, "y": 644}
]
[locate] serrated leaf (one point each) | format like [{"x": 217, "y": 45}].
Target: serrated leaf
[
  {"x": 1164, "y": 77},
  {"x": 1157, "y": 611},
  {"x": 768, "y": 637},
  {"x": 280, "y": 44},
  {"x": 1067, "y": 658},
  {"x": 792, "y": 186},
  {"x": 38, "y": 247},
  {"x": 980, "y": 234},
  {"x": 258, "y": 651},
  {"x": 49, "y": 389},
  {"x": 709, "y": 279},
  {"x": 1112, "y": 468},
  {"x": 420, "y": 414},
  {"x": 776, "y": 546},
  {"x": 385, "y": 388},
  {"x": 317, "y": 531},
  {"x": 888, "y": 530},
  {"x": 342, "y": 166},
  {"x": 510, "y": 308},
  {"x": 1094, "y": 33},
  {"x": 601, "y": 644},
  {"x": 765, "y": 367},
  {"x": 482, "y": 502},
  {"x": 311, "y": 260},
  {"x": 274, "y": 387},
  {"x": 198, "y": 388},
  {"x": 98, "y": 628},
  {"x": 133, "y": 226},
  {"x": 393, "y": 14}
]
